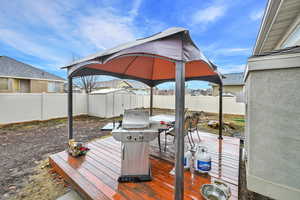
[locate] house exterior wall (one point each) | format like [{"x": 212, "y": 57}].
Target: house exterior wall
[
  {"x": 273, "y": 131},
  {"x": 123, "y": 84},
  {"x": 38, "y": 86},
  {"x": 35, "y": 86},
  {"x": 234, "y": 89}
]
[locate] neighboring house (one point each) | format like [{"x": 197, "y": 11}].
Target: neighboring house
[
  {"x": 203, "y": 92},
  {"x": 125, "y": 84},
  {"x": 76, "y": 88},
  {"x": 272, "y": 98},
  {"x": 165, "y": 92},
  {"x": 232, "y": 84},
  {"x": 16, "y": 76}
]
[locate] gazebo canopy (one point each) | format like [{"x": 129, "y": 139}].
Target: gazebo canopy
[{"x": 150, "y": 60}]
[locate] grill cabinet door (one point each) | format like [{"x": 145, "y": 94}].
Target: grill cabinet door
[{"x": 135, "y": 158}]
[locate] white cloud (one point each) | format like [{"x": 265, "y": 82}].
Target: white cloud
[
  {"x": 256, "y": 15},
  {"x": 233, "y": 51},
  {"x": 106, "y": 30},
  {"x": 209, "y": 14},
  {"x": 54, "y": 30},
  {"x": 217, "y": 52},
  {"x": 135, "y": 8},
  {"x": 25, "y": 45}
]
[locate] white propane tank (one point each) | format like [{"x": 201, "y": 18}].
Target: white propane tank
[
  {"x": 202, "y": 160},
  {"x": 187, "y": 158}
]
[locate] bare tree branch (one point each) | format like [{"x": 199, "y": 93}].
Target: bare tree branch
[{"x": 88, "y": 83}]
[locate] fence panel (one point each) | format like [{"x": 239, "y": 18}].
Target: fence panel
[
  {"x": 22, "y": 107},
  {"x": 97, "y": 105}
]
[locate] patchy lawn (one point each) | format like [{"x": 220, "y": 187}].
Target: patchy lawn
[
  {"x": 233, "y": 124},
  {"x": 24, "y": 145},
  {"x": 24, "y": 150},
  {"x": 44, "y": 184}
]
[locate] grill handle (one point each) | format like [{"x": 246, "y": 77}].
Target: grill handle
[{"x": 123, "y": 152}]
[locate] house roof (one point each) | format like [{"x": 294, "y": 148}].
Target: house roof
[
  {"x": 279, "y": 20},
  {"x": 233, "y": 79},
  {"x": 288, "y": 50},
  {"x": 10, "y": 67},
  {"x": 114, "y": 84},
  {"x": 277, "y": 59}
]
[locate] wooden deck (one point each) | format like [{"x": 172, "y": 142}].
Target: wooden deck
[{"x": 95, "y": 175}]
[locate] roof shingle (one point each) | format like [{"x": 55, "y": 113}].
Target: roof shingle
[{"x": 13, "y": 68}]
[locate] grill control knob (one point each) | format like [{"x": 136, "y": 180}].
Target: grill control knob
[
  {"x": 141, "y": 137},
  {"x": 129, "y": 137}
]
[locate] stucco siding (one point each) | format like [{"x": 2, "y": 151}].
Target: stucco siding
[{"x": 273, "y": 132}]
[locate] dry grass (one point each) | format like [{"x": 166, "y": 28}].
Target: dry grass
[
  {"x": 44, "y": 184},
  {"x": 51, "y": 135}
]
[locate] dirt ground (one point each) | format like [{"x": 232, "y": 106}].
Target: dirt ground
[
  {"x": 24, "y": 146},
  {"x": 24, "y": 149}
]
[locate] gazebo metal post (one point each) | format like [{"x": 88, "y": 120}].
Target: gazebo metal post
[
  {"x": 70, "y": 107},
  {"x": 151, "y": 101},
  {"x": 179, "y": 129},
  {"x": 220, "y": 111}
]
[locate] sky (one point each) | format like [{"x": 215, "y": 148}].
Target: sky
[{"x": 49, "y": 34}]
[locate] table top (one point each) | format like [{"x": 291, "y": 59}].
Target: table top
[
  {"x": 110, "y": 126},
  {"x": 162, "y": 117}
]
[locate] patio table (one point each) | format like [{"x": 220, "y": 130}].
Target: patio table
[
  {"x": 156, "y": 121},
  {"x": 163, "y": 117}
]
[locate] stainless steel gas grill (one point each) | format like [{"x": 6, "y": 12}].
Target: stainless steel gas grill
[{"x": 135, "y": 133}]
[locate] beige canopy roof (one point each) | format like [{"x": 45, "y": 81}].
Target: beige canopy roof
[{"x": 150, "y": 60}]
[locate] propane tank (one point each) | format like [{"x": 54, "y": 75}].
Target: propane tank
[
  {"x": 202, "y": 160},
  {"x": 187, "y": 158}
]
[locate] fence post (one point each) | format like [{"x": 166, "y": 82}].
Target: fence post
[
  {"x": 87, "y": 104},
  {"x": 43, "y": 106}
]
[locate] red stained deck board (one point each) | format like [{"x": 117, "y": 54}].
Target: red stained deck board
[{"x": 95, "y": 175}]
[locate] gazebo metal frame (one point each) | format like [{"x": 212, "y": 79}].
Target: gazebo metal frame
[{"x": 189, "y": 54}]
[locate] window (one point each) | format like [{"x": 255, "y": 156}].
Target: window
[
  {"x": 16, "y": 85},
  {"x": 3, "y": 83},
  {"x": 53, "y": 86}
]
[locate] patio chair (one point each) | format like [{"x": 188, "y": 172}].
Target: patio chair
[
  {"x": 187, "y": 124},
  {"x": 194, "y": 124}
]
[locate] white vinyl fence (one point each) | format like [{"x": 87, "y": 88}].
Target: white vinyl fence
[
  {"x": 202, "y": 103},
  {"x": 21, "y": 107},
  {"x": 114, "y": 104}
]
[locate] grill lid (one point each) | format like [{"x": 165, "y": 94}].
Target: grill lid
[{"x": 135, "y": 119}]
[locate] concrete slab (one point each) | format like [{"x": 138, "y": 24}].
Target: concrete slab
[{"x": 72, "y": 195}]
